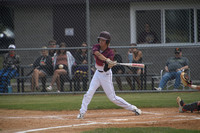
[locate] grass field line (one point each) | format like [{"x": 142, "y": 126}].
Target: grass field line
[
  {"x": 38, "y": 117},
  {"x": 85, "y": 124},
  {"x": 66, "y": 126},
  {"x": 109, "y": 121},
  {"x": 69, "y": 115}
]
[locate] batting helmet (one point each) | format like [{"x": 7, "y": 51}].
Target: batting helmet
[{"x": 105, "y": 36}]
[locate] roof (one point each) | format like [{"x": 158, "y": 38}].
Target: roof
[{"x": 53, "y": 2}]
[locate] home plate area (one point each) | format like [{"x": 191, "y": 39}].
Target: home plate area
[{"x": 21, "y": 121}]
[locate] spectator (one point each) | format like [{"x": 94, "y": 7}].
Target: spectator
[
  {"x": 173, "y": 68},
  {"x": 81, "y": 72},
  {"x": 52, "y": 44},
  {"x": 62, "y": 64},
  {"x": 137, "y": 58},
  {"x": 42, "y": 67},
  {"x": 130, "y": 55},
  {"x": 118, "y": 69},
  {"x": 147, "y": 36},
  {"x": 10, "y": 65}
]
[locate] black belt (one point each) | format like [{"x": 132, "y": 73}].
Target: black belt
[{"x": 100, "y": 71}]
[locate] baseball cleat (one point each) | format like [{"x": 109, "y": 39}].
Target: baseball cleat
[
  {"x": 157, "y": 88},
  {"x": 137, "y": 112},
  {"x": 49, "y": 88},
  {"x": 178, "y": 100},
  {"x": 80, "y": 116}
]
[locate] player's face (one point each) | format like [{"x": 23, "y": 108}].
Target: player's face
[{"x": 102, "y": 42}]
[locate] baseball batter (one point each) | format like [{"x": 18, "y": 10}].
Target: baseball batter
[{"x": 103, "y": 76}]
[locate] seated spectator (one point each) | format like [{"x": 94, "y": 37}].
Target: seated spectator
[
  {"x": 81, "y": 72},
  {"x": 10, "y": 65},
  {"x": 173, "y": 68},
  {"x": 137, "y": 58},
  {"x": 147, "y": 36},
  {"x": 52, "y": 44},
  {"x": 118, "y": 69},
  {"x": 62, "y": 65},
  {"x": 42, "y": 67},
  {"x": 130, "y": 55}
]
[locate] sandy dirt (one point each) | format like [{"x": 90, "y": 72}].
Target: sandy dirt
[{"x": 65, "y": 121}]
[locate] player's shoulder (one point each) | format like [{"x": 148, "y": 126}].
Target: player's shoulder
[{"x": 96, "y": 45}]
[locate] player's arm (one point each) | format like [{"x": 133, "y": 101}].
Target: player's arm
[
  {"x": 107, "y": 60},
  {"x": 100, "y": 56}
]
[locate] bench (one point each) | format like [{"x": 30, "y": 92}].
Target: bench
[{"x": 22, "y": 79}]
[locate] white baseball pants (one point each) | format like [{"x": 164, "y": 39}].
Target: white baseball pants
[{"x": 104, "y": 79}]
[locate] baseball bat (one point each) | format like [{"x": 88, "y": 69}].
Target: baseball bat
[{"x": 132, "y": 65}]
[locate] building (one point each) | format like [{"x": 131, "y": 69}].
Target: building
[{"x": 175, "y": 22}]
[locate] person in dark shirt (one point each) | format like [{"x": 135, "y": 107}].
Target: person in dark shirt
[
  {"x": 52, "y": 44},
  {"x": 174, "y": 67},
  {"x": 10, "y": 65},
  {"x": 42, "y": 67},
  {"x": 81, "y": 68},
  {"x": 118, "y": 69},
  {"x": 147, "y": 36}
]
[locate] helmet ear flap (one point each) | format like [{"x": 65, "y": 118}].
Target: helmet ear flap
[{"x": 107, "y": 41}]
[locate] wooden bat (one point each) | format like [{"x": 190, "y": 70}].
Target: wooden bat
[{"x": 132, "y": 65}]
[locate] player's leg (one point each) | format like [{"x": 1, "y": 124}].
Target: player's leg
[
  {"x": 187, "y": 107},
  {"x": 192, "y": 107},
  {"x": 89, "y": 94},
  {"x": 108, "y": 88}
]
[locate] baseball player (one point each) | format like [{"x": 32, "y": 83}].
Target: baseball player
[
  {"x": 103, "y": 76},
  {"x": 192, "y": 106},
  {"x": 187, "y": 107}
]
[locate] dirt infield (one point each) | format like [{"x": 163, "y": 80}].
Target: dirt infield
[{"x": 65, "y": 121}]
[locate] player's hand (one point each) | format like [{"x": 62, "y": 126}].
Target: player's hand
[{"x": 111, "y": 63}]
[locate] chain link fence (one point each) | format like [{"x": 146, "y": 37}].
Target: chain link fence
[{"x": 157, "y": 27}]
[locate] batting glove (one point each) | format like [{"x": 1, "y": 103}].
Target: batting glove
[{"x": 111, "y": 63}]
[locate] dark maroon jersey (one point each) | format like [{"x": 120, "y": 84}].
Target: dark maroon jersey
[{"x": 108, "y": 53}]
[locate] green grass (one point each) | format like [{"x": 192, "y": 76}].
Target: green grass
[
  {"x": 141, "y": 130},
  {"x": 99, "y": 101}
]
